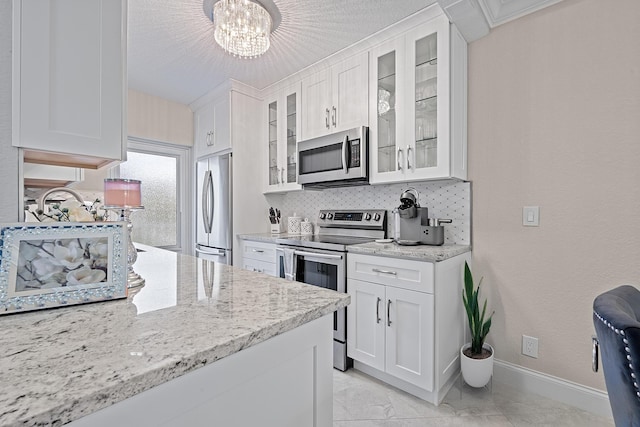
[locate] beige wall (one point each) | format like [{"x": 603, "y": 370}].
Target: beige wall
[
  {"x": 554, "y": 121},
  {"x": 159, "y": 119}
]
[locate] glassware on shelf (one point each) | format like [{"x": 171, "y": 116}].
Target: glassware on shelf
[{"x": 384, "y": 104}]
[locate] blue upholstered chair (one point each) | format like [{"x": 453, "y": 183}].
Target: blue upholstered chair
[{"x": 616, "y": 317}]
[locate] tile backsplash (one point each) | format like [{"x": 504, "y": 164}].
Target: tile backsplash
[{"x": 444, "y": 199}]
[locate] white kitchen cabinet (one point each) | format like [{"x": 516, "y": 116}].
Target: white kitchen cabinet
[
  {"x": 418, "y": 118},
  {"x": 212, "y": 126},
  {"x": 336, "y": 99},
  {"x": 405, "y": 323},
  {"x": 69, "y": 81},
  {"x": 283, "y": 122},
  {"x": 259, "y": 257},
  {"x": 390, "y": 327}
]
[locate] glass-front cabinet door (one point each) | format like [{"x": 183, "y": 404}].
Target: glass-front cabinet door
[
  {"x": 283, "y": 120},
  {"x": 410, "y": 118},
  {"x": 274, "y": 172},
  {"x": 428, "y": 65},
  {"x": 385, "y": 112}
]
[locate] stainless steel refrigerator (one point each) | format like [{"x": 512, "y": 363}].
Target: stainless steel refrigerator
[{"x": 214, "y": 220}]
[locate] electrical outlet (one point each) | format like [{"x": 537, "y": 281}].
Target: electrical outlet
[{"x": 530, "y": 346}]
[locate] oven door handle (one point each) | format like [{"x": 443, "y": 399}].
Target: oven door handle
[{"x": 317, "y": 255}]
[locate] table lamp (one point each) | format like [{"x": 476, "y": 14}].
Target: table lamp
[{"x": 124, "y": 196}]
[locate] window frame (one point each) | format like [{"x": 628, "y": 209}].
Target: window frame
[{"x": 184, "y": 213}]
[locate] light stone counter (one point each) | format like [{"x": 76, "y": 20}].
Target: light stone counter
[
  {"x": 265, "y": 237},
  {"x": 418, "y": 252},
  {"x": 61, "y": 364}
]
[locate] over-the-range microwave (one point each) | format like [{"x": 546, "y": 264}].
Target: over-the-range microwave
[{"x": 336, "y": 160}]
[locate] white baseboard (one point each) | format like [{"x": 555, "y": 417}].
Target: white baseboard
[{"x": 570, "y": 393}]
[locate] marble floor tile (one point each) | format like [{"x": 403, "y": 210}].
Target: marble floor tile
[{"x": 363, "y": 401}]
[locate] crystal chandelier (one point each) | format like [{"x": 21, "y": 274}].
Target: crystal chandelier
[{"x": 241, "y": 27}]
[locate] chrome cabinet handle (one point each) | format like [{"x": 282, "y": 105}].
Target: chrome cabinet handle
[
  {"x": 257, "y": 250},
  {"x": 326, "y": 120},
  {"x": 334, "y": 113},
  {"x": 408, "y": 157},
  {"x": 388, "y": 312},
  {"x": 377, "y": 270},
  {"x": 378, "y": 310},
  {"x": 210, "y": 138},
  {"x": 399, "y": 164}
]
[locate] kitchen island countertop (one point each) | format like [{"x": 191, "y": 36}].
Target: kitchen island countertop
[{"x": 61, "y": 364}]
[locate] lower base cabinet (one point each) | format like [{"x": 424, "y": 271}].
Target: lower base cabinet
[
  {"x": 259, "y": 257},
  {"x": 405, "y": 323},
  {"x": 392, "y": 331}
]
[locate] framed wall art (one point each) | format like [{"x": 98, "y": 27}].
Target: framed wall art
[{"x": 53, "y": 264}]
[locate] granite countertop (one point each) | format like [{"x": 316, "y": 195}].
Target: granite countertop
[
  {"x": 60, "y": 364},
  {"x": 394, "y": 250},
  {"x": 265, "y": 237},
  {"x": 418, "y": 252}
]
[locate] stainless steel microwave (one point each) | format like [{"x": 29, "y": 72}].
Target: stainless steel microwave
[{"x": 336, "y": 160}]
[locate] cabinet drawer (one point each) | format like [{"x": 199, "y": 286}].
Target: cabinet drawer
[
  {"x": 259, "y": 251},
  {"x": 400, "y": 273},
  {"x": 259, "y": 266}
]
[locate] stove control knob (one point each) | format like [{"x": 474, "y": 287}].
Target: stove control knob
[
  {"x": 329, "y": 215},
  {"x": 367, "y": 216},
  {"x": 323, "y": 215},
  {"x": 376, "y": 217}
]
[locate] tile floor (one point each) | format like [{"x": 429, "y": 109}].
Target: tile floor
[{"x": 362, "y": 401}]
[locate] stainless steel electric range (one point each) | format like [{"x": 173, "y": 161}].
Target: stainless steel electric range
[{"x": 321, "y": 259}]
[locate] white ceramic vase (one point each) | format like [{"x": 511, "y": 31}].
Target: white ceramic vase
[{"x": 476, "y": 372}]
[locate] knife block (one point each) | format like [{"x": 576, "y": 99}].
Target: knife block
[{"x": 276, "y": 228}]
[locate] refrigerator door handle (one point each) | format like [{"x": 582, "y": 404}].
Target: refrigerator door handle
[
  {"x": 205, "y": 202},
  {"x": 217, "y": 253},
  {"x": 213, "y": 201}
]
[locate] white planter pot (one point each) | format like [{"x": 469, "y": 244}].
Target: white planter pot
[{"x": 476, "y": 372}]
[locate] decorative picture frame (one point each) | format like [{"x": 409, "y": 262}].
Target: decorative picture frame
[{"x": 54, "y": 264}]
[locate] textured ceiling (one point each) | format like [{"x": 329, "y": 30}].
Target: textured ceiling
[{"x": 172, "y": 54}]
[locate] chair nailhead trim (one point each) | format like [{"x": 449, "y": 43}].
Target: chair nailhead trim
[{"x": 626, "y": 349}]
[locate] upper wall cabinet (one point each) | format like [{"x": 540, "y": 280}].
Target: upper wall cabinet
[
  {"x": 212, "y": 126},
  {"x": 69, "y": 81},
  {"x": 335, "y": 99},
  {"x": 418, "y": 106},
  {"x": 283, "y": 122}
]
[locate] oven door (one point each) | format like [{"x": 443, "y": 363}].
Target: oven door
[
  {"x": 336, "y": 157},
  {"x": 326, "y": 269}
]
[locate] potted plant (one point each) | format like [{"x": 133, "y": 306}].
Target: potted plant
[{"x": 476, "y": 357}]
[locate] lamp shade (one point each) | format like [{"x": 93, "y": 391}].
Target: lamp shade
[{"x": 124, "y": 193}]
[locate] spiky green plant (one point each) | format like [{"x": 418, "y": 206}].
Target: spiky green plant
[{"x": 477, "y": 324}]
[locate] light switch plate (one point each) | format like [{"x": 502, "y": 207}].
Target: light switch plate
[{"x": 531, "y": 216}]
